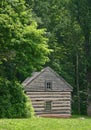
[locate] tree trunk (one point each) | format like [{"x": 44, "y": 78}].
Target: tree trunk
[
  {"x": 88, "y": 72},
  {"x": 77, "y": 82}
]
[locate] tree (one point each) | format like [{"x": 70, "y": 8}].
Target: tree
[
  {"x": 24, "y": 45},
  {"x": 23, "y": 48},
  {"x": 66, "y": 39},
  {"x": 81, "y": 12}
]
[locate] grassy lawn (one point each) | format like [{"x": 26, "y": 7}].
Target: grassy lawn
[{"x": 76, "y": 123}]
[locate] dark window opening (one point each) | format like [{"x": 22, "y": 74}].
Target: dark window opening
[
  {"x": 48, "y": 105},
  {"x": 48, "y": 85}
]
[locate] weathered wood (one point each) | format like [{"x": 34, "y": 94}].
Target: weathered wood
[
  {"x": 58, "y": 83},
  {"x": 49, "y": 98},
  {"x": 54, "y": 102},
  {"x": 38, "y": 112},
  {"x": 62, "y": 102},
  {"x": 61, "y": 106},
  {"x": 59, "y": 95},
  {"x": 47, "y": 93},
  {"x": 53, "y": 108}
]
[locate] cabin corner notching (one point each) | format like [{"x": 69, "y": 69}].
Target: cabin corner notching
[{"x": 50, "y": 94}]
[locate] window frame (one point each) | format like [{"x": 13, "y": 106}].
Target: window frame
[
  {"x": 48, "y": 85},
  {"x": 48, "y": 106}
]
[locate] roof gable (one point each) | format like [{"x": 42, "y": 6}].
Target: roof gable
[{"x": 36, "y": 75}]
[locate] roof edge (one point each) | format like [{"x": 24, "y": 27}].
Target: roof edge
[{"x": 32, "y": 78}]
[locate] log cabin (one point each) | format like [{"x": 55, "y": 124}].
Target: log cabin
[{"x": 50, "y": 94}]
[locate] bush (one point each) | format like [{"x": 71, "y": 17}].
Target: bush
[
  {"x": 5, "y": 104},
  {"x": 13, "y": 102},
  {"x": 29, "y": 108}
]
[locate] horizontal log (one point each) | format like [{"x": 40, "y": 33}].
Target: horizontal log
[
  {"x": 52, "y": 112},
  {"x": 48, "y": 93},
  {"x": 61, "y": 108},
  {"x": 43, "y": 90},
  {"x": 53, "y": 105},
  {"x": 61, "y": 102},
  {"x": 38, "y": 103},
  {"x": 38, "y": 106},
  {"x": 52, "y": 99},
  {"x": 61, "y": 105},
  {"x": 34, "y": 102},
  {"x": 49, "y": 96}
]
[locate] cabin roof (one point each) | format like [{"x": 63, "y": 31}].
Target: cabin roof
[{"x": 36, "y": 74}]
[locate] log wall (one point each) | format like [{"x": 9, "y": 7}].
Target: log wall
[
  {"x": 61, "y": 102},
  {"x": 59, "y": 94}
]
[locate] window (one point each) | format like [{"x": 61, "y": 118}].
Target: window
[
  {"x": 48, "y": 105},
  {"x": 48, "y": 85}
]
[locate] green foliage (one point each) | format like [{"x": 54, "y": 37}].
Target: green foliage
[
  {"x": 5, "y": 97},
  {"x": 13, "y": 102},
  {"x": 29, "y": 108},
  {"x": 24, "y": 45},
  {"x": 80, "y": 11},
  {"x": 23, "y": 48},
  {"x": 18, "y": 100},
  {"x": 68, "y": 24}
]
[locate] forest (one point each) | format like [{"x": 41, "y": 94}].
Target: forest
[{"x": 39, "y": 33}]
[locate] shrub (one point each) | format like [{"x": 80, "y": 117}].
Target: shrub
[
  {"x": 5, "y": 104},
  {"x": 13, "y": 101},
  {"x": 29, "y": 108}
]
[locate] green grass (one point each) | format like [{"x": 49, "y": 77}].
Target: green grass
[{"x": 75, "y": 123}]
